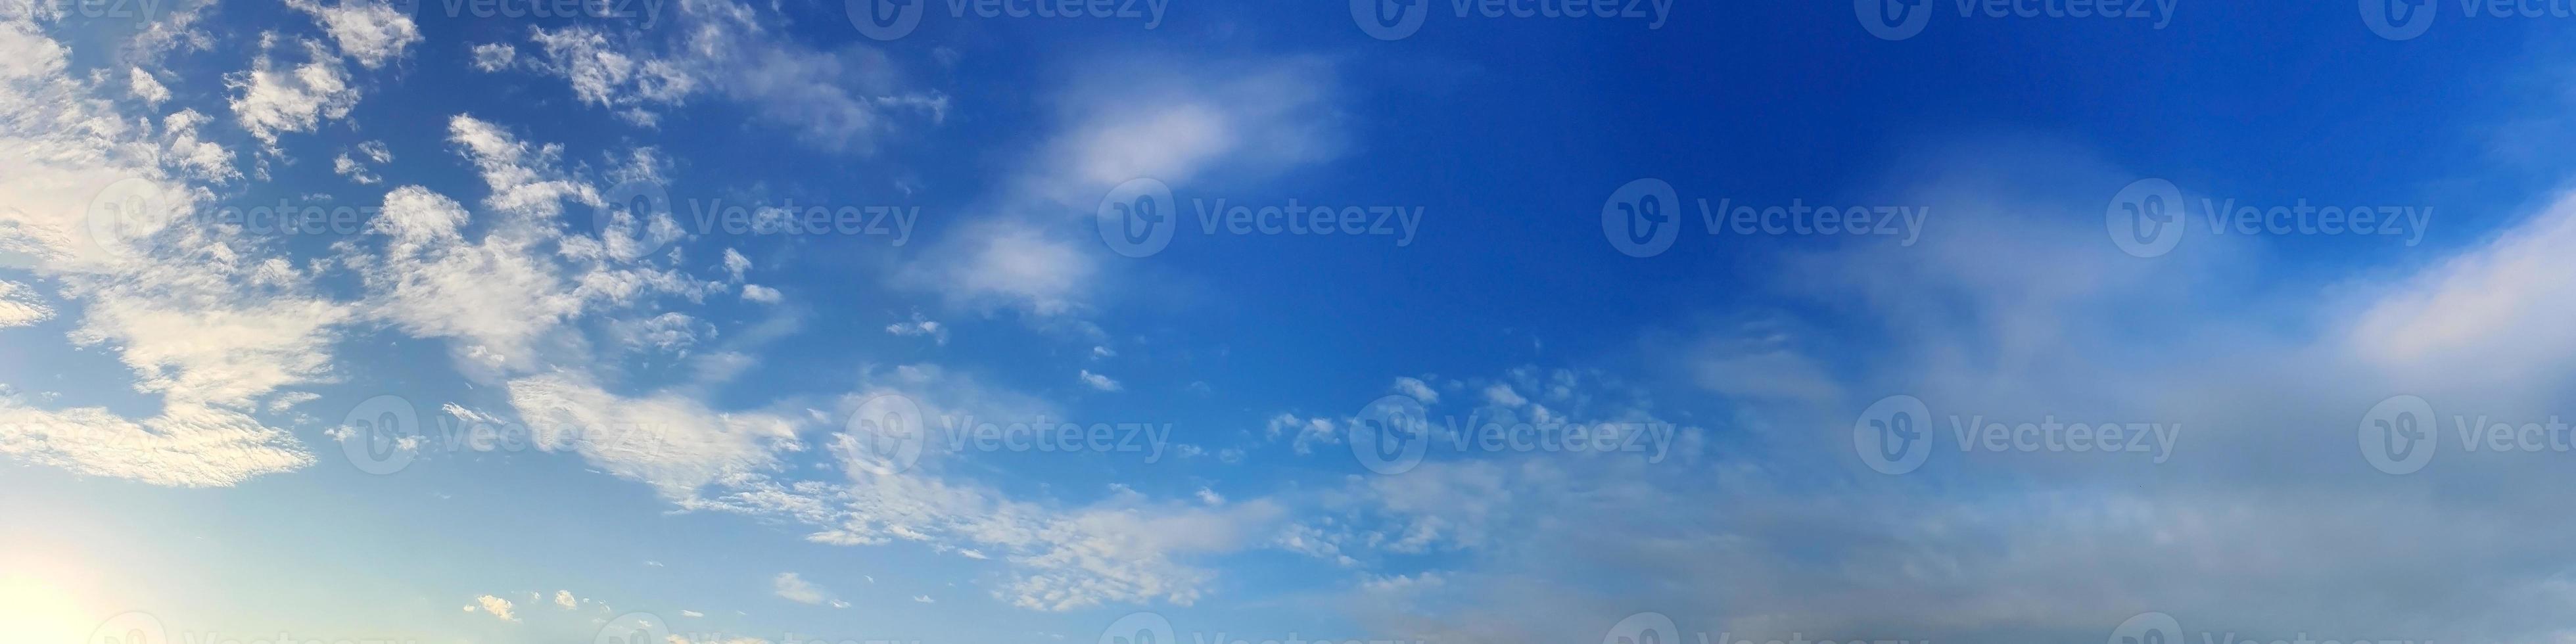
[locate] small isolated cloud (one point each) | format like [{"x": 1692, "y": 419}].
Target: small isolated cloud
[
  {"x": 1417, "y": 389},
  {"x": 921, "y": 326},
  {"x": 761, "y": 294},
  {"x": 565, "y": 599},
  {"x": 924, "y": 599},
  {"x": 794, "y": 588},
  {"x": 691, "y": 613},
  {"x": 498, "y": 607},
  {"x": 1097, "y": 381},
  {"x": 494, "y": 56}
]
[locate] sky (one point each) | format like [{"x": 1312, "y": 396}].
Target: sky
[{"x": 1184, "y": 322}]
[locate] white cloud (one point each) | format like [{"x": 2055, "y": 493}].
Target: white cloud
[
  {"x": 795, "y": 588},
  {"x": 273, "y": 100},
  {"x": 20, "y": 306},
  {"x": 1305, "y": 433},
  {"x": 497, "y": 607},
  {"x": 1097, "y": 381},
  {"x": 1417, "y": 389},
  {"x": 494, "y": 56},
  {"x": 924, "y": 599},
  {"x": 565, "y": 599},
  {"x": 370, "y": 31},
  {"x": 356, "y": 170},
  {"x": 920, "y": 326},
  {"x": 761, "y": 294},
  {"x": 145, "y": 87},
  {"x": 182, "y": 447},
  {"x": 669, "y": 441}
]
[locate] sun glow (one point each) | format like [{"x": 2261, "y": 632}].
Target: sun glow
[{"x": 35, "y": 612}]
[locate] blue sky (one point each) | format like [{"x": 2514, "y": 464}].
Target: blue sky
[{"x": 729, "y": 323}]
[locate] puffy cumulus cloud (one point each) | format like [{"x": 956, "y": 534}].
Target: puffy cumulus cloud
[
  {"x": 145, "y": 87},
  {"x": 494, "y": 56},
  {"x": 1097, "y": 381},
  {"x": 840, "y": 100},
  {"x": 369, "y": 31},
  {"x": 508, "y": 292},
  {"x": 672, "y": 442},
  {"x": 271, "y": 99},
  {"x": 203, "y": 317},
  {"x": 496, "y": 607}
]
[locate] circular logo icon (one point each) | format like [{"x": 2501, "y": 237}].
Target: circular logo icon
[
  {"x": 1139, "y": 628},
  {"x": 1390, "y": 19},
  {"x": 2398, "y": 19},
  {"x": 2146, "y": 219},
  {"x": 1390, "y": 435},
  {"x": 381, "y": 435},
  {"x": 634, "y": 628},
  {"x": 123, "y": 216},
  {"x": 1893, "y": 19},
  {"x": 889, "y": 427},
  {"x": 2148, "y": 628},
  {"x": 130, "y": 627},
  {"x": 1893, "y": 435},
  {"x": 1642, "y": 218},
  {"x": 1644, "y": 628},
  {"x": 627, "y": 217},
  {"x": 1138, "y": 217},
  {"x": 884, "y": 19},
  {"x": 2398, "y": 435}
]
